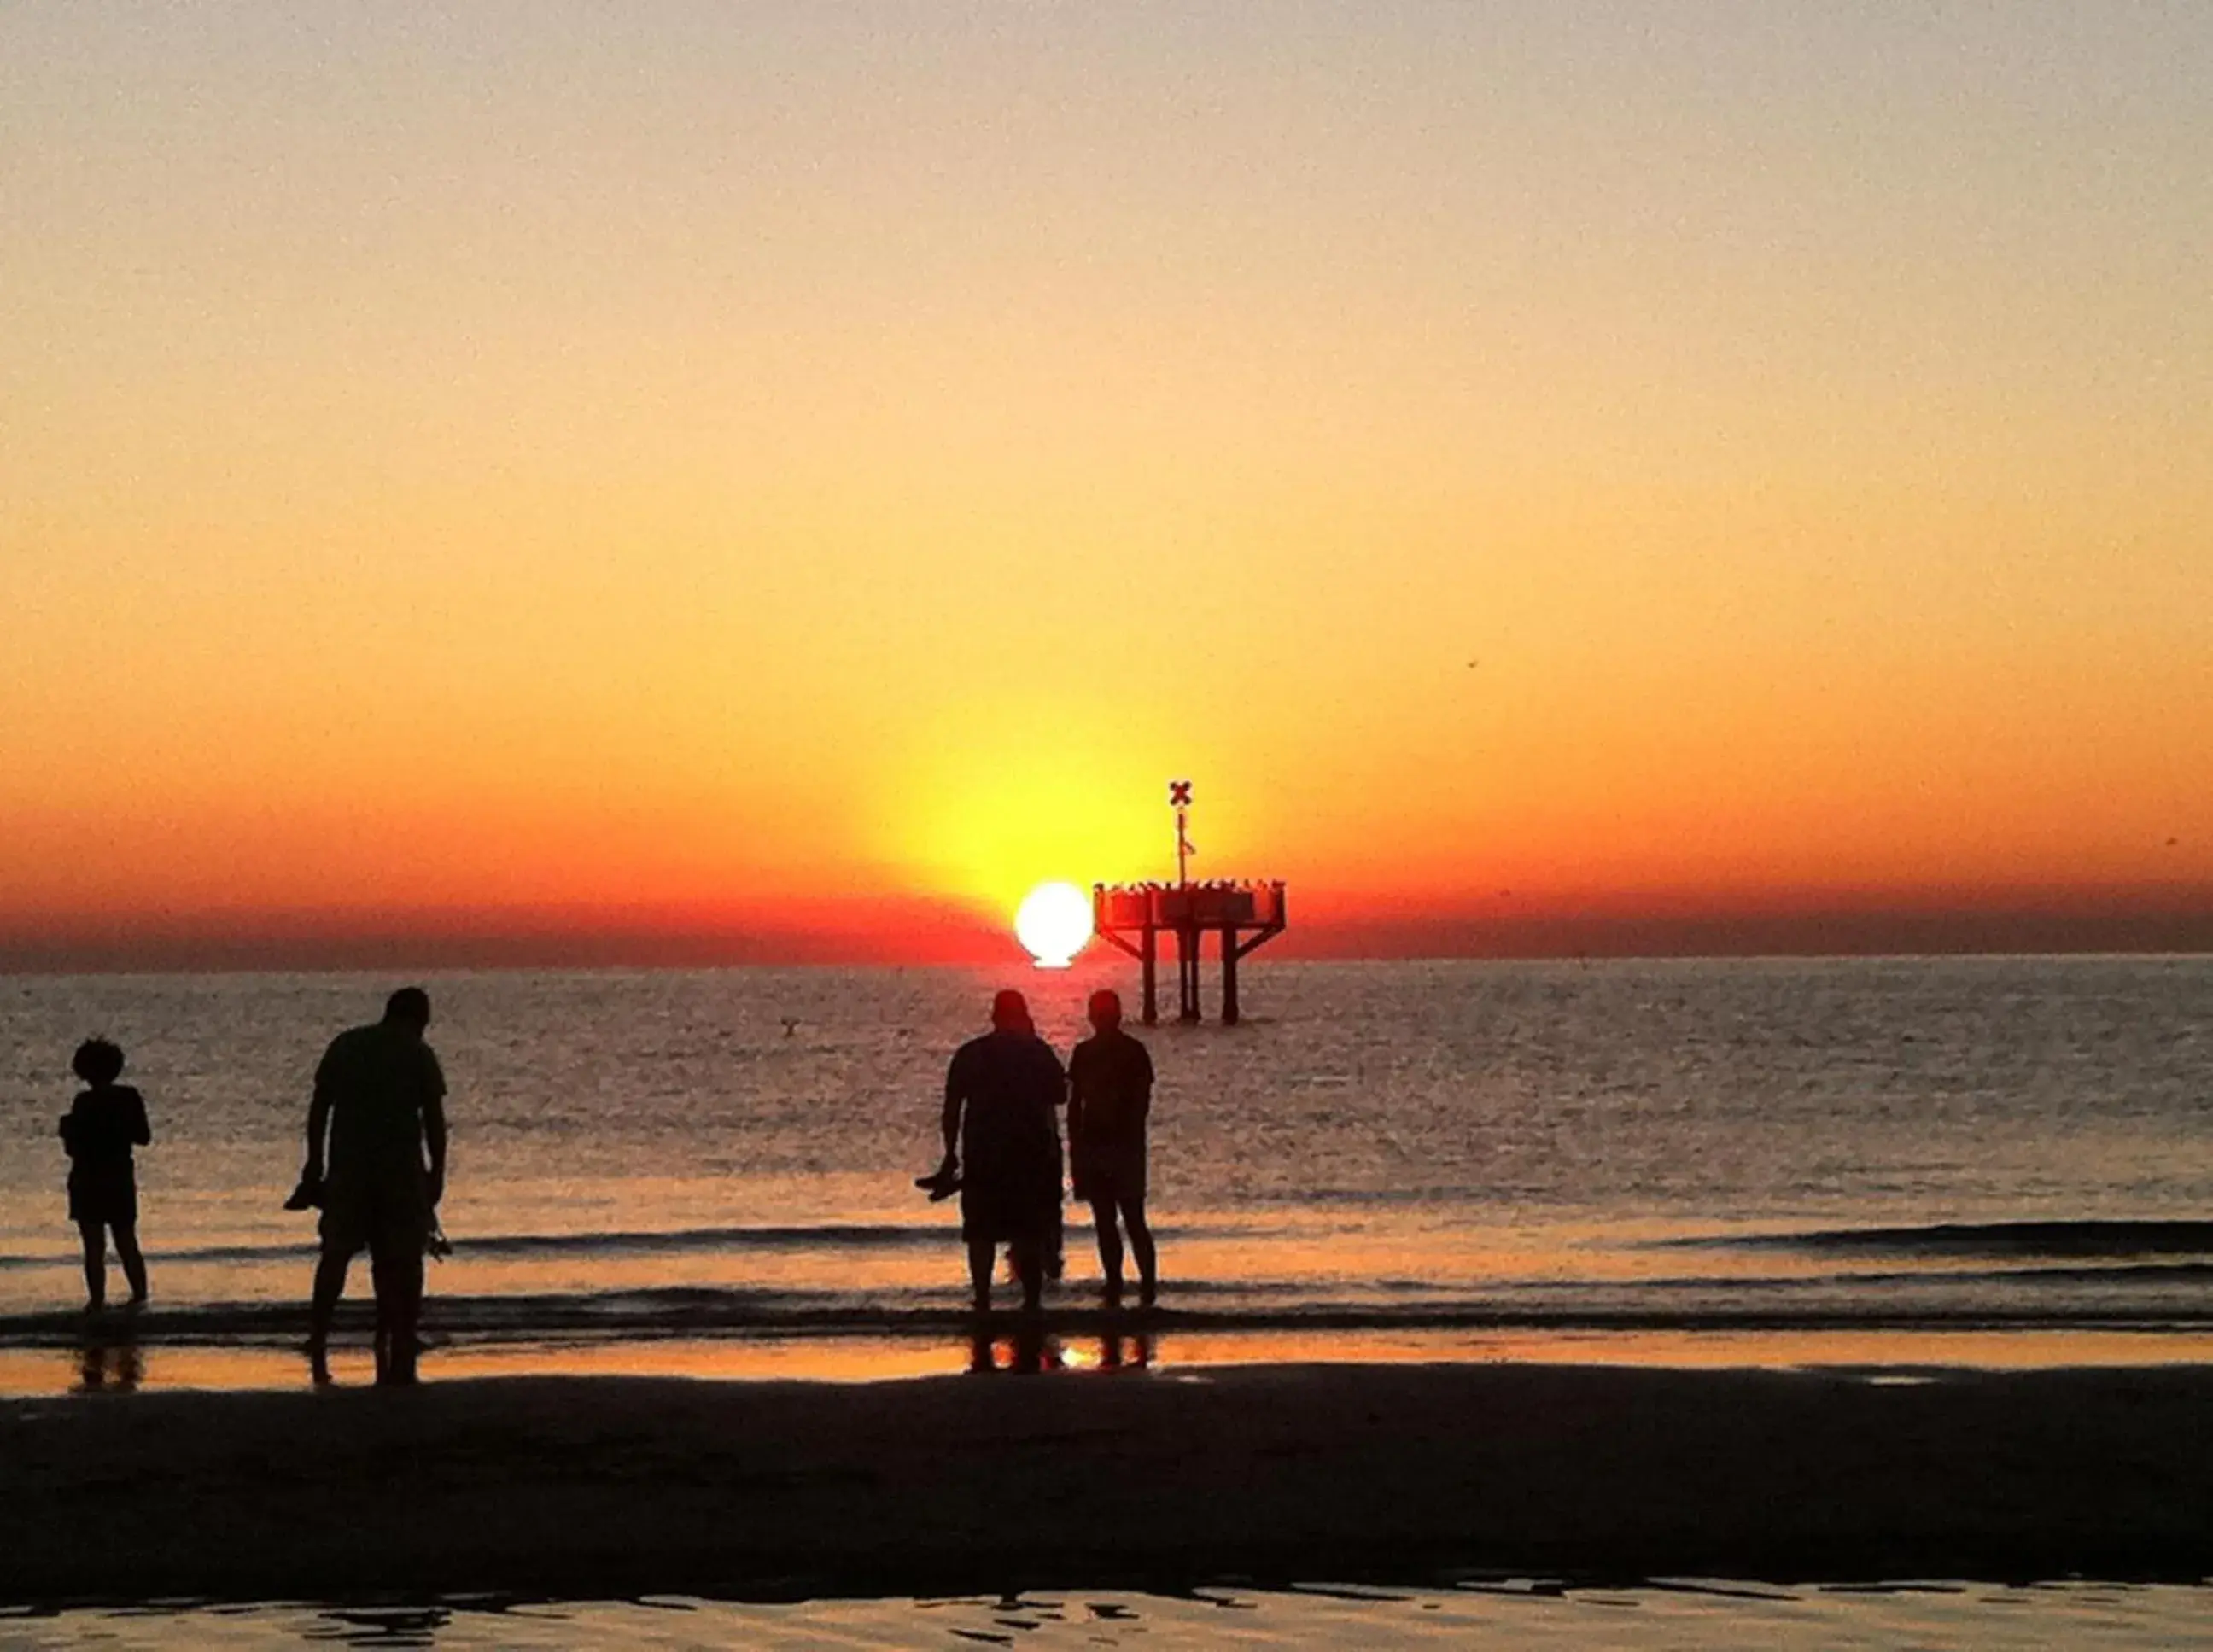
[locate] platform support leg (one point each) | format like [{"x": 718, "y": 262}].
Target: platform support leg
[
  {"x": 1149, "y": 965},
  {"x": 1229, "y": 977},
  {"x": 1187, "y": 974}
]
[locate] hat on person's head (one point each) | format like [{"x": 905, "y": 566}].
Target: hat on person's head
[{"x": 1010, "y": 1011}]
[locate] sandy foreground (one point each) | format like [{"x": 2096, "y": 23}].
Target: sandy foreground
[{"x": 606, "y": 1487}]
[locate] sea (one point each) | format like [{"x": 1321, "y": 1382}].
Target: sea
[
  {"x": 1886, "y": 1165},
  {"x": 1879, "y": 1162}
]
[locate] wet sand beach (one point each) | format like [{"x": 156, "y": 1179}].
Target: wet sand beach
[{"x": 602, "y": 1488}]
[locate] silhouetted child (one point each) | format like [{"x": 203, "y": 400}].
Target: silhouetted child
[{"x": 99, "y": 1131}]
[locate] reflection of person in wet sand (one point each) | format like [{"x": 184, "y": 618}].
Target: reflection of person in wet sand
[
  {"x": 1110, "y": 1094},
  {"x": 98, "y": 1132},
  {"x": 1002, "y": 1131},
  {"x": 1028, "y": 1352},
  {"x": 1117, "y": 1352},
  {"x": 102, "y": 1366},
  {"x": 380, "y": 1095}
]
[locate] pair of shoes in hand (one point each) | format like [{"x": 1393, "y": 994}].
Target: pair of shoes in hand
[{"x": 941, "y": 1183}]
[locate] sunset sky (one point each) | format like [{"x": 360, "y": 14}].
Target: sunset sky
[{"x": 782, "y": 479}]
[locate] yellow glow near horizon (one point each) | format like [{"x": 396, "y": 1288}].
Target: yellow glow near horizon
[{"x": 997, "y": 795}]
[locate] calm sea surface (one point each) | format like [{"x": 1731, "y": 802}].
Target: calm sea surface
[{"x": 1989, "y": 1159}]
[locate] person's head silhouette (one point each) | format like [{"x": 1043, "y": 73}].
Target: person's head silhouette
[
  {"x": 1105, "y": 1009},
  {"x": 1010, "y": 1012},
  {"x": 97, "y": 1062},
  {"x": 409, "y": 1009}
]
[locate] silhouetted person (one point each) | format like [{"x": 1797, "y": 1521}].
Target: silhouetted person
[
  {"x": 1110, "y": 1094},
  {"x": 98, "y": 1132},
  {"x": 380, "y": 1095},
  {"x": 1003, "y": 1095}
]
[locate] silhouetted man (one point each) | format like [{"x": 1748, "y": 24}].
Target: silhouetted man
[
  {"x": 380, "y": 1095},
  {"x": 1002, "y": 1092},
  {"x": 1110, "y": 1093}
]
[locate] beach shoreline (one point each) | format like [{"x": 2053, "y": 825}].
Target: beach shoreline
[
  {"x": 607, "y": 1487},
  {"x": 125, "y": 1355}
]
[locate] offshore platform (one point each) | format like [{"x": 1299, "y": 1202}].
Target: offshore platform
[{"x": 1133, "y": 917}]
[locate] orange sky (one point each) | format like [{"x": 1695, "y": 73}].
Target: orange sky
[{"x": 800, "y": 473}]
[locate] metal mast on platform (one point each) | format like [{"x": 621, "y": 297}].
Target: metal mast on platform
[
  {"x": 1131, "y": 918},
  {"x": 1186, "y": 932}
]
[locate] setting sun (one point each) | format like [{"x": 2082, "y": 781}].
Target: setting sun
[{"x": 1052, "y": 923}]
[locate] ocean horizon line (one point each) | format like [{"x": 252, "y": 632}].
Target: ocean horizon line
[{"x": 1025, "y": 967}]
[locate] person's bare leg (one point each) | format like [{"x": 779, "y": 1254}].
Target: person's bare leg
[
  {"x": 1030, "y": 1266},
  {"x": 330, "y": 1285},
  {"x": 398, "y": 1315},
  {"x": 134, "y": 1262},
  {"x": 380, "y": 1285},
  {"x": 1141, "y": 1246},
  {"x": 94, "y": 1236},
  {"x": 407, "y": 1324},
  {"x": 1109, "y": 1249},
  {"x": 982, "y": 1254}
]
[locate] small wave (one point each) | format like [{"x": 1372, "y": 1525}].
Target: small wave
[
  {"x": 647, "y": 1242},
  {"x": 2027, "y": 1238},
  {"x": 830, "y": 1235},
  {"x": 202, "y": 1254},
  {"x": 795, "y": 1237},
  {"x": 2122, "y": 1272}
]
